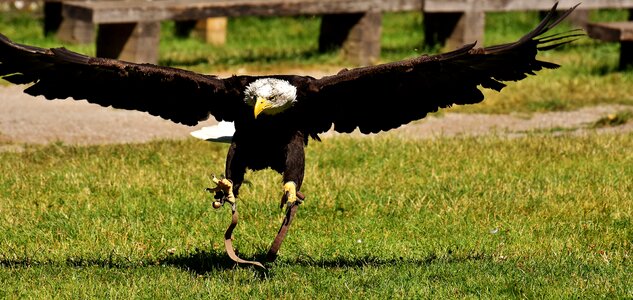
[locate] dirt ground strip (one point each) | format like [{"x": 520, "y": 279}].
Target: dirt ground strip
[{"x": 34, "y": 120}]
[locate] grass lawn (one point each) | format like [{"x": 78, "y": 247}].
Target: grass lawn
[{"x": 533, "y": 217}]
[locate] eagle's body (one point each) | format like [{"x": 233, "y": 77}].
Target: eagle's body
[
  {"x": 275, "y": 116},
  {"x": 279, "y": 147}
]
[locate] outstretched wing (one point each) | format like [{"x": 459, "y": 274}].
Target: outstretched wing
[
  {"x": 177, "y": 95},
  {"x": 386, "y": 96}
]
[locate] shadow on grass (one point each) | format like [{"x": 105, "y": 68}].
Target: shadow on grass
[
  {"x": 199, "y": 262},
  {"x": 373, "y": 261},
  {"x": 203, "y": 262}
]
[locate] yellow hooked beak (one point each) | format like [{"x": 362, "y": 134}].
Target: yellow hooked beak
[{"x": 261, "y": 104}]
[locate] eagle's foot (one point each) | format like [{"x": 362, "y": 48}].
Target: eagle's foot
[
  {"x": 290, "y": 195},
  {"x": 223, "y": 192}
]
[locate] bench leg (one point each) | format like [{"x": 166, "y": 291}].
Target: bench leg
[
  {"x": 212, "y": 30},
  {"x": 134, "y": 42},
  {"x": 357, "y": 35},
  {"x": 454, "y": 30},
  {"x": 76, "y": 31},
  {"x": 626, "y": 50},
  {"x": 68, "y": 30},
  {"x": 52, "y": 17},
  {"x": 626, "y": 55}
]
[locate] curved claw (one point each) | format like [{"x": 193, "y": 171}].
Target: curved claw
[{"x": 223, "y": 191}]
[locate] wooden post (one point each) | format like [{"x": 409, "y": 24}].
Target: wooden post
[
  {"x": 357, "y": 35},
  {"x": 76, "y": 31},
  {"x": 134, "y": 42},
  {"x": 212, "y": 30},
  {"x": 454, "y": 29},
  {"x": 67, "y": 30},
  {"x": 626, "y": 49},
  {"x": 52, "y": 17},
  {"x": 626, "y": 55}
]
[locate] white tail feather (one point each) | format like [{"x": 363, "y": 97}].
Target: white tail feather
[{"x": 220, "y": 133}]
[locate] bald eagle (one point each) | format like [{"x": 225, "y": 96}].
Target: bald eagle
[{"x": 276, "y": 115}]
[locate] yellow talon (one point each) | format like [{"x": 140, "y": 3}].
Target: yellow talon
[{"x": 290, "y": 193}]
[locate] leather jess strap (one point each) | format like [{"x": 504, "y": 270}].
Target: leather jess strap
[
  {"x": 228, "y": 242},
  {"x": 274, "y": 248}
]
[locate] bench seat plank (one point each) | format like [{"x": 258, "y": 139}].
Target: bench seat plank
[
  {"x": 114, "y": 11},
  {"x": 125, "y": 11},
  {"x": 518, "y": 5}
]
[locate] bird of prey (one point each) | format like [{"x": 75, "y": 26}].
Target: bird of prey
[{"x": 275, "y": 116}]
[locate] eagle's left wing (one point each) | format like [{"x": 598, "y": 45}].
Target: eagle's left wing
[
  {"x": 383, "y": 97},
  {"x": 174, "y": 94}
]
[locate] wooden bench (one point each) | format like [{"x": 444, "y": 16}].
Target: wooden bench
[
  {"x": 621, "y": 32},
  {"x": 130, "y": 29}
]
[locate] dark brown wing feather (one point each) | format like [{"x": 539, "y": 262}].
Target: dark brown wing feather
[
  {"x": 386, "y": 96},
  {"x": 178, "y": 95}
]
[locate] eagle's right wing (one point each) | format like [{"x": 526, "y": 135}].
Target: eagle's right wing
[
  {"x": 383, "y": 97},
  {"x": 174, "y": 94}
]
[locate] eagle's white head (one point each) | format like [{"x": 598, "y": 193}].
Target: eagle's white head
[{"x": 270, "y": 95}]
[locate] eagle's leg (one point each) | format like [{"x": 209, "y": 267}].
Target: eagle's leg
[
  {"x": 294, "y": 169},
  {"x": 235, "y": 168},
  {"x": 227, "y": 188},
  {"x": 293, "y": 178}
]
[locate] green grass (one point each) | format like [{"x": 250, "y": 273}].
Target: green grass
[{"x": 531, "y": 217}]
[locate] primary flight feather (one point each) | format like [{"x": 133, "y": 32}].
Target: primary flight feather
[{"x": 276, "y": 115}]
